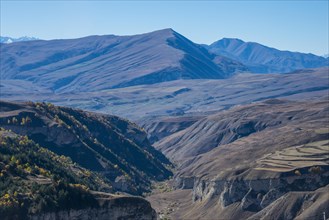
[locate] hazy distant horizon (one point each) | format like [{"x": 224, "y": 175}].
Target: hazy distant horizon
[{"x": 286, "y": 25}]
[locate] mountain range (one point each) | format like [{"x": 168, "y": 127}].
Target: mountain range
[
  {"x": 102, "y": 62},
  {"x": 262, "y": 59},
  {"x": 98, "y": 63}
]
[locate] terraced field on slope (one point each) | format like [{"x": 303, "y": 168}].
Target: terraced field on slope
[{"x": 313, "y": 155}]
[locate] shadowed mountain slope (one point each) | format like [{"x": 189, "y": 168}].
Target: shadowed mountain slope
[
  {"x": 106, "y": 144},
  {"x": 96, "y": 63},
  {"x": 262, "y": 59},
  {"x": 36, "y": 183}
]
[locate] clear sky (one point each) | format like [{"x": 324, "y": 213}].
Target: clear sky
[{"x": 288, "y": 25}]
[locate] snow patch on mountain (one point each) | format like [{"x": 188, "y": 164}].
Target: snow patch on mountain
[{"x": 8, "y": 40}]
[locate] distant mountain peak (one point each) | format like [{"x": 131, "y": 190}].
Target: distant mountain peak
[
  {"x": 263, "y": 59},
  {"x": 231, "y": 39},
  {"x": 227, "y": 42},
  {"x": 166, "y": 32},
  {"x": 8, "y": 40}
]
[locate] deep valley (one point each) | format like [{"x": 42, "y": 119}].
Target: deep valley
[{"x": 155, "y": 126}]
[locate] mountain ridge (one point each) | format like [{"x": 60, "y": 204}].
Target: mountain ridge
[
  {"x": 103, "y": 62},
  {"x": 263, "y": 59}
]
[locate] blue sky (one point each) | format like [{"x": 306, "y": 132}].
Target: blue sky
[{"x": 289, "y": 25}]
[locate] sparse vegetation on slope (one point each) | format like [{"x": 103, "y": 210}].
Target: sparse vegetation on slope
[
  {"x": 34, "y": 180},
  {"x": 106, "y": 144}
]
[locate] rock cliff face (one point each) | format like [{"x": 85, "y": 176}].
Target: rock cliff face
[
  {"x": 112, "y": 209},
  {"x": 256, "y": 194},
  {"x": 257, "y": 197},
  {"x": 262, "y": 199},
  {"x": 301, "y": 175}
]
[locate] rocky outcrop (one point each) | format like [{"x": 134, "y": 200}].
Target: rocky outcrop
[
  {"x": 184, "y": 182},
  {"x": 297, "y": 205},
  {"x": 111, "y": 209},
  {"x": 256, "y": 194}
]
